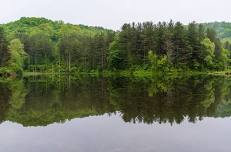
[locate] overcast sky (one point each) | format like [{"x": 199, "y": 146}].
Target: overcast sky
[{"x": 113, "y": 13}]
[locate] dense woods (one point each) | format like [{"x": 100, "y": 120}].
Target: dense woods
[
  {"x": 42, "y": 45},
  {"x": 223, "y": 29}
]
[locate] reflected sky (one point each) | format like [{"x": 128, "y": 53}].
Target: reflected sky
[{"x": 112, "y": 134}]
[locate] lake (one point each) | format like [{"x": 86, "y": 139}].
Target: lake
[{"x": 62, "y": 114}]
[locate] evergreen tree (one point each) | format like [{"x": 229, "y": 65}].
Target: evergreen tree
[
  {"x": 181, "y": 53},
  {"x": 194, "y": 43},
  {"x": 4, "y": 52},
  {"x": 148, "y": 39}
]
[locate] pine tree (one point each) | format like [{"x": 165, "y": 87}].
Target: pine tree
[
  {"x": 195, "y": 45},
  {"x": 181, "y": 53},
  {"x": 4, "y": 52},
  {"x": 149, "y": 39}
]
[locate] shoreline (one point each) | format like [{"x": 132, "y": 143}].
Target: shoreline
[{"x": 127, "y": 73}]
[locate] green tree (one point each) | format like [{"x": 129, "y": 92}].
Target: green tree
[
  {"x": 153, "y": 60},
  {"x": 207, "y": 53},
  {"x": 117, "y": 58},
  {"x": 223, "y": 59},
  {"x": 17, "y": 55},
  {"x": 181, "y": 54},
  {"x": 69, "y": 46},
  {"x": 212, "y": 35},
  {"x": 41, "y": 47},
  {"x": 158, "y": 64},
  {"x": 4, "y": 52},
  {"x": 195, "y": 46}
]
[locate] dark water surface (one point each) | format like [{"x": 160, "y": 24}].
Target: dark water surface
[{"x": 116, "y": 115}]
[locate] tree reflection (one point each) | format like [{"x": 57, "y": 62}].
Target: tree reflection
[{"x": 43, "y": 101}]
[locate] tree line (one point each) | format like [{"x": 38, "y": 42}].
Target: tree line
[
  {"x": 176, "y": 45},
  {"x": 38, "y": 44}
]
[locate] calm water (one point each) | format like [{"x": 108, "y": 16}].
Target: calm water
[{"x": 115, "y": 115}]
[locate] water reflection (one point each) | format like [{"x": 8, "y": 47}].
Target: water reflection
[{"x": 40, "y": 101}]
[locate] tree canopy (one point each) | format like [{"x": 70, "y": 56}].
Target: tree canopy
[{"x": 65, "y": 47}]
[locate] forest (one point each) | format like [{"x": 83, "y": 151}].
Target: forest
[{"x": 41, "y": 45}]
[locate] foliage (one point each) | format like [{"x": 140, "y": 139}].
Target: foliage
[
  {"x": 158, "y": 63},
  {"x": 40, "y": 101},
  {"x": 4, "y": 52},
  {"x": 57, "y": 47},
  {"x": 17, "y": 54},
  {"x": 222, "y": 28},
  {"x": 208, "y": 52}
]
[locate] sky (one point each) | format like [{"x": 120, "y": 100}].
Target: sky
[{"x": 114, "y": 13}]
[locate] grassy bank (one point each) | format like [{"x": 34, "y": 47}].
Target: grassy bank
[{"x": 133, "y": 73}]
